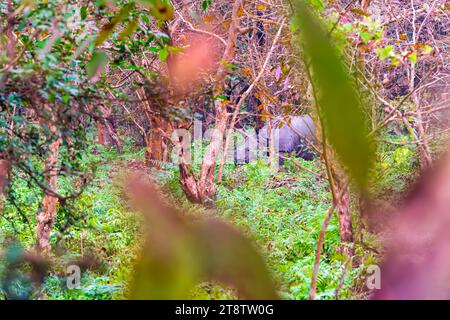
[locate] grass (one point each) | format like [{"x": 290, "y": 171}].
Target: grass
[{"x": 282, "y": 212}]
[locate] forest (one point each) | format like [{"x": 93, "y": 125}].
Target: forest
[{"x": 224, "y": 149}]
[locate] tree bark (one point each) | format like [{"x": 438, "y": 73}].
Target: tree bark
[
  {"x": 344, "y": 217},
  {"x": 5, "y": 169},
  {"x": 106, "y": 134},
  {"x": 46, "y": 217},
  {"x": 423, "y": 147},
  {"x": 157, "y": 144},
  {"x": 205, "y": 187},
  {"x": 103, "y": 137}
]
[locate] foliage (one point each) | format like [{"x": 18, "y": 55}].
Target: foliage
[
  {"x": 283, "y": 213},
  {"x": 76, "y": 74},
  {"x": 99, "y": 226},
  {"x": 337, "y": 101}
]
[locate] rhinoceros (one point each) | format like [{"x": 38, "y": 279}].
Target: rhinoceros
[{"x": 294, "y": 135}]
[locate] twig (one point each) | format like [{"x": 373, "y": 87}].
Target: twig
[
  {"x": 326, "y": 222},
  {"x": 191, "y": 28},
  {"x": 341, "y": 280},
  {"x": 244, "y": 97}
]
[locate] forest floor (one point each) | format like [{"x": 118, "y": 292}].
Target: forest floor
[{"x": 281, "y": 212}]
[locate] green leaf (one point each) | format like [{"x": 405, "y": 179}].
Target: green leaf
[
  {"x": 337, "y": 101},
  {"x": 178, "y": 254},
  {"x": 221, "y": 98},
  {"x": 97, "y": 64},
  {"x": 107, "y": 30},
  {"x": 129, "y": 30},
  {"x": 163, "y": 54},
  {"x": 145, "y": 18},
  {"x": 386, "y": 52},
  {"x": 83, "y": 12},
  {"x": 413, "y": 57},
  {"x": 66, "y": 98},
  {"x": 206, "y": 4},
  {"x": 365, "y": 36},
  {"x": 427, "y": 49},
  {"x": 160, "y": 9},
  {"x": 318, "y": 4}
]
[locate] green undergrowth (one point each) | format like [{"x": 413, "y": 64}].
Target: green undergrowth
[
  {"x": 282, "y": 212},
  {"x": 96, "y": 230}
]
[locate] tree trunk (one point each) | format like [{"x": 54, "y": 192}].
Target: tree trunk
[
  {"x": 46, "y": 217},
  {"x": 422, "y": 146},
  {"x": 103, "y": 138},
  {"x": 206, "y": 185},
  {"x": 344, "y": 217},
  {"x": 5, "y": 169},
  {"x": 106, "y": 134},
  {"x": 204, "y": 188},
  {"x": 157, "y": 150}
]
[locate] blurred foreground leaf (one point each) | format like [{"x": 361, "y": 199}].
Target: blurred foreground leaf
[
  {"x": 96, "y": 65},
  {"x": 107, "y": 30},
  {"x": 160, "y": 9},
  {"x": 337, "y": 100},
  {"x": 179, "y": 254}
]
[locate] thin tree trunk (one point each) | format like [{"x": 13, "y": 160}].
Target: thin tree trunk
[
  {"x": 106, "y": 134},
  {"x": 102, "y": 135},
  {"x": 422, "y": 146},
  {"x": 46, "y": 217},
  {"x": 157, "y": 146},
  {"x": 206, "y": 185},
  {"x": 204, "y": 188},
  {"x": 242, "y": 100},
  {"x": 5, "y": 169},
  {"x": 344, "y": 217}
]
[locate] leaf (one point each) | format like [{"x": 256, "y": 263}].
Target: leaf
[
  {"x": 337, "y": 101},
  {"x": 145, "y": 18},
  {"x": 229, "y": 66},
  {"x": 386, "y": 52},
  {"x": 163, "y": 54},
  {"x": 427, "y": 49},
  {"x": 97, "y": 64},
  {"x": 107, "y": 30},
  {"x": 206, "y": 4},
  {"x": 412, "y": 57},
  {"x": 160, "y": 9},
  {"x": 261, "y": 7},
  {"x": 223, "y": 98},
  {"x": 318, "y": 4},
  {"x": 240, "y": 12},
  {"x": 362, "y": 47},
  {"x": 233, "y": 260},
  {"x": 83, "y": 12},
  {"x": 129, "y": 30},
  {"x": 209, "y": 18},
  {"x": 174, "y": 50},
  {"x": 365, "y": 36},
  {"x": 179, "y": 254},
  {"x": 359, "y": 12}
]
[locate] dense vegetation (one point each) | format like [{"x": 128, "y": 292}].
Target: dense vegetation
[{"x": 103, "y": 103}]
